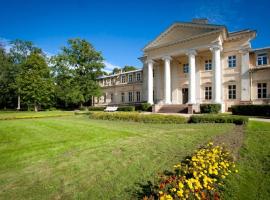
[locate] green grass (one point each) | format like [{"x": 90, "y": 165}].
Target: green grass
[
  {"x": 78, "y": 158},
  {"x": 253, "y": 180},
  {"x": 7, "y": 115}
]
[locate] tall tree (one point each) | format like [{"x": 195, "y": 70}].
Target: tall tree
[
  {"x": 116, "y": 70},
  {"x": 86, "y": 65},
  {"x": 19, "y": 52},
  {"x": 128, "y": 68},
  {"x": 36, "y": 85}
]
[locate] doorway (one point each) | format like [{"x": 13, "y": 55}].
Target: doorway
[{"x": 184, "y": 95}]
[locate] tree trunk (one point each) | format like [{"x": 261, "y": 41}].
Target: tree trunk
[
  {"x": 36, "y": 107},
  {"x": 19, "y": 102}
]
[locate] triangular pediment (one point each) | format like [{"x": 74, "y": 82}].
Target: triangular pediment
[{"x": 181, "y": 31}]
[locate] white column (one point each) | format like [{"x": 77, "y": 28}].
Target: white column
[
  {"x": 216, "y": 65},
  {"x": 245, "y": 82},
  {"x": 192, "y": 77},
  {"x": 167, "y": 80},
  {"x": 150, "y": 81}
]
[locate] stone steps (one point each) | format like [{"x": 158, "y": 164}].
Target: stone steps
[{"x": 173, "y": 108}]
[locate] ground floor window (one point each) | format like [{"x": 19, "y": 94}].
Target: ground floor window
[
  {"x": 232, "y": 91},
  {"x": 208, "y": 93},
  {"x": 262, "y": 90},
  {"x": 105, "y": 98},
  {"x": 111, "y": 97},
  {"x": 138, "y": 96},
  {"x": 130, "y": 96},
  {"x": 122, "y": 97}
]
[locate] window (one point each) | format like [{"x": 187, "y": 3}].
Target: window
[
  {"x": 208, "y": 93},
  {"x": 111, "y": 97},
  {"x": 130, "y": 96},
  {"x": 153, "y": 73},
  {"x": 262, "y": 59},
  {"x": 123, "y": 79},
  {"x": 262, "y": 90},
  {"x": 185, "y": 68},
  {"x": 130, "y": 78},
  {"x": 232, "y": 91},
  {"x": 105, "y": 98},
  {"x": 138, "y": 76},
  {"x": 138, "y": 96},
  {"x": 122, "y": 97},
  {"x": 208, "y": 65},
  {"x": 232, "y": 61}
]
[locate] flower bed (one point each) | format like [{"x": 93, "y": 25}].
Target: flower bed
[{"x": 198, "y": 177}]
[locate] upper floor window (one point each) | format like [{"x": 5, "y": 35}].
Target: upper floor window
[
  {"x": 122, "y": 97},
  {"x": 232, "y": 91},
  {"x": 130, "y": 78},
  {"x": 185, "y": 68},
  {"x": 138, "y": 76},
  {"x": 262, "y": 59},
  {"x": 138, "y": 96},
  {"x": 130, "y": 96},
  {"x": 208, "y": 65},
  {"x": 232, "y": 61},
  {"x": 123, "y": 79},
  {"x": 262, "y": 90},
  {"x": 208, "y": 93}
]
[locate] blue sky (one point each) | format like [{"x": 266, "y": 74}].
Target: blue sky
[{"x": 120, "y": 29}]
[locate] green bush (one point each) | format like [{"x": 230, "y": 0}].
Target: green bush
[
  {"x": 96, "y": 108},
  {"x": 238, "y": 120},
  {"x": 210, "y": 108},
  {"x": 126, "y": 108},
  {"x": 251, "y": 110},
  {"x": 146, "y": 107},
  {"x": 137, "y": 117}
]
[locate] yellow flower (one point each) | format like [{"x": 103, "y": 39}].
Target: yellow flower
[
  {"x": 180, "y": 193},
  {"x": 181, "y": 185},
  {"x": 168, "y": 197}
]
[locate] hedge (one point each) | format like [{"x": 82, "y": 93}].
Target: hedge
[
  {"x": 96, "y": 108},
  {"x": 210, "y": 108},
  {"x": 137, "y": 117},
  {"x": 251, "y": 110},
  {"x": 238, "y": 120},
  {"x": 126, "y": 108}
]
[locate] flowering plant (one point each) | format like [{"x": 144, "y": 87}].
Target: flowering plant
[{"x": 198, "y": 177}]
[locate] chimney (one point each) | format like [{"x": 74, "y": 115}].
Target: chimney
[{"x": 200, "y": 20}]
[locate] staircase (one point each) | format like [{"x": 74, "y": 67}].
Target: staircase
[{"x": 173, "y": 108}]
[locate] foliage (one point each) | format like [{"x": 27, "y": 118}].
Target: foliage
[
  {"x": 207, "y": 118},
  {"x": 198, "y": 177},
  {"x": 116, "y": 70},
  {"x": 96, "y": 108},
  {"x": 137, "y": 117},
  {"x": 146, "y": 107},
  {"x": 36, "y": 85},
  {"x": 126, "y": 108},
  {"x": 210, "y": 108},
  {"x": 128, "y": 68},
  {"x": 251, "y": 110},
  {"x": 76, "y": 69}
]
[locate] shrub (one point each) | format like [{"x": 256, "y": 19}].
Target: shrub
[
  {"x": 126, "y": 108},
  {"x": 83, "y": 108},
  {"x": 238, "y": 120},
  {"x": 251, "y": 110},
  {"x": 146, "y": 107},
  {"x": 137, "y": 117},
  {"x": 210, "y": 108},
  {"x": 200, "y": 176},
  {"x": 96, "y": 108}
]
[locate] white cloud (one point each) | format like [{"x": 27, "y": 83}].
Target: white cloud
[{"x": 109, "y": 66}]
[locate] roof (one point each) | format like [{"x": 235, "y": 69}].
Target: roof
[
  {"x": 260, "y": 49},
  {"x": 113, "y": 75}
]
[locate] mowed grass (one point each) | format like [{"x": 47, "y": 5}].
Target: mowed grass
[
  {"x": 253, "y": 180},
  {"x": 5, "y": 115},
  {"x": 78, "y": 158}
]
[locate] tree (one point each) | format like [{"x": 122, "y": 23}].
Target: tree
[
  {"x": 19, "y": 52},
  {"x": 116, "y": 70},
  {"x": 85, "y": 65},
  {"x": 36, "y": 85},
  {"x": 128, "y": 68}
]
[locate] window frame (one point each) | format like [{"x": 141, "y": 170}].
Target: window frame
[
  {"x": 122, "y": 97},
  {"x": 130, "y": 80},
  {"x": 138, "y": 99},
  {"x": 130, "y": 96},
  {"x": 112, "y": 97},
  {"x": 261, "y": 56},
  {"x": 231, "y": 91},
  {"x": 186, "y": 68},
  {"x": 123, "y": 78},
  {"x": 208, "y": 65},
  {"x": 208, "y": 93},
  {"x": 232, "y": 61},
  {"x": 262, "y": 90},
  {"x": 138, "y": 74}
]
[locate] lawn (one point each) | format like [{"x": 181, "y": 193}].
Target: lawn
[{"x": 74, "y": 157}]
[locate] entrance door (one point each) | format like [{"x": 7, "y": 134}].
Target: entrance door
[{"x": 185, "y": 95}]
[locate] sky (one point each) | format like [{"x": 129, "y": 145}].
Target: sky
[{"x": 120, "y": 29}]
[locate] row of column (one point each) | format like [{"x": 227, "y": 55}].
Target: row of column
[{"x": 216, "y": 83}]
